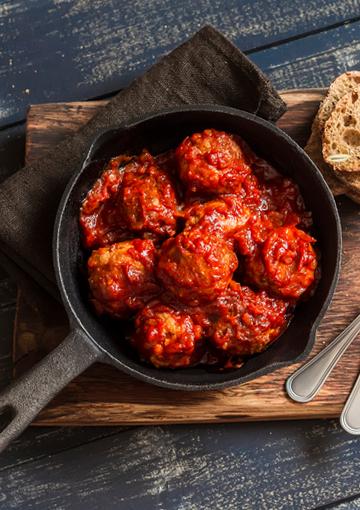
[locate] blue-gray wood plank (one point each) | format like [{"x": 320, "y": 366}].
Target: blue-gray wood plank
[
  {"x": 64, "y": 49},
  {"x": 53, "y": 50},
  {"x": 314, "y": 60},
  {"x": 279, "y": 466}
]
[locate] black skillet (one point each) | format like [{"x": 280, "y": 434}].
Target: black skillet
[{"x": 92, "y": 340}]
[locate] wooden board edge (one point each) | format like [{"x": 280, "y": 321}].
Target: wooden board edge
[{"x": 60, "y": 418}]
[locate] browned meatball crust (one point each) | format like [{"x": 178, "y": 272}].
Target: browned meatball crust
[
  {"x": 167, "y": 337},
  {"x": 121, "y": 277},
  {"x": 244, "y": 322},
  {"x": 196, "y": 267},
  {"x": 212, "y": 162},
  {"x": 147, "y": 199}
]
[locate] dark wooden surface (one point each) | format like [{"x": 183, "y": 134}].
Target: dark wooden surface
[
  {"x": 55, "y": 50},
  {"x": 103, "y": 396}
]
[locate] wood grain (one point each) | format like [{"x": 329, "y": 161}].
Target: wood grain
[
  {"x": 283, "y": 466},
  {"x": 58, "y": 50},
  {"x": 273, "y": 465},
  {"x": 103, "y": 395},
  {"x": 312, "y": 61}
]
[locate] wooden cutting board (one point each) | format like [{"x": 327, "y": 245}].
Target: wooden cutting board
[{"x": 105, "y": 396}]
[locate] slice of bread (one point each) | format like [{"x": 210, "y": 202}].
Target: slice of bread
[
  {"x": 343, "y": 84},
  {"x": 340, "y": 182},
  {"x": 314, "y": 149},
  {"x": 341, "y": 136}
]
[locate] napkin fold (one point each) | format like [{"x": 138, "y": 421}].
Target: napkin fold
[{"x": 207, "y": 68}]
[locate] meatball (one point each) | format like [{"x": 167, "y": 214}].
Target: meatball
[
  {"x": 223, "y": 216},
  {"x": 212, "y": 162},
  {"x": 195, "y": 266},
  {"x": 245, "y": 322},
  {"x": 280, "y": 193},
  {"x": 256, "y": 231},
  {"x": 100, "y": 220},
  {"x": 121, "y": 277},
  {"x": 148, "y": 198},
  {"x": 167, "y": 337},
  {"x": 285, "y": 264},
  {"x": 275, "y": 201}
]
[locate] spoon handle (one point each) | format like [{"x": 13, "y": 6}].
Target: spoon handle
[
  {"x": 350, "y": 416},
  {"x": 304, "y": 384}
]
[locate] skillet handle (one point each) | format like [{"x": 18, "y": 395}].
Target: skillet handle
[{"x": 27, "y": 396}]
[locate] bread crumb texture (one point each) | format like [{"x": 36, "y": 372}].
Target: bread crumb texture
[
  {"x": 341, "y": 86},
  {"x": 341, "y": 137}
]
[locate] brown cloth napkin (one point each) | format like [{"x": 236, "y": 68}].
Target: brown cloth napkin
[{"x": 206, "y": 69}]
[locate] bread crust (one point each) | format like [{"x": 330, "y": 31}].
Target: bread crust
[
  {"x": 343, "y": 84},
  {"x": 313, "y": 149},
  {"x": 341, "y": 181}
]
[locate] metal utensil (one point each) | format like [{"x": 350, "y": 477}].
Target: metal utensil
[
  {"x": 305, "y": 383},
  {"x": 350, "y": 416}
]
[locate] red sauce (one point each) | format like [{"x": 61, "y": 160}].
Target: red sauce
[
  {"x": 121, "y": 277},
  {"x": 223, "y": 216},
  {"x": 100, "y": 220},
  {"x": 196, "y": 266},
  {"x": 284, "y": 264},
  {"x": 237, "y": 210},
  {"x": 244, "y": 322},
  {"x": 212, "y": 162},
  {"x": 167, "y": 336},
  {"x": 147, "y": 199}
]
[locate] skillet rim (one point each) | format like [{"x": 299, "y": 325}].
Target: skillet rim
[{"x": 138, "y": 373}]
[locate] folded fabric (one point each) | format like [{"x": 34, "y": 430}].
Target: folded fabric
[{"x": 206, "y": 69}]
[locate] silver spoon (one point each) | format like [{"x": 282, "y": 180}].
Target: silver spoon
[
  {"x": 350, "y": 416},
  {"x": 305, "y": 383}
]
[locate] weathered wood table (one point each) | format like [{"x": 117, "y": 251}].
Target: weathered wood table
[{"x": 62, "y": 50}]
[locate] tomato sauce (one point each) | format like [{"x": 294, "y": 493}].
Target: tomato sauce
[{"x": 206, "y": 249}]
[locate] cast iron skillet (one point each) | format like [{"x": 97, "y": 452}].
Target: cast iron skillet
[{"x": 92, "y": 340}]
